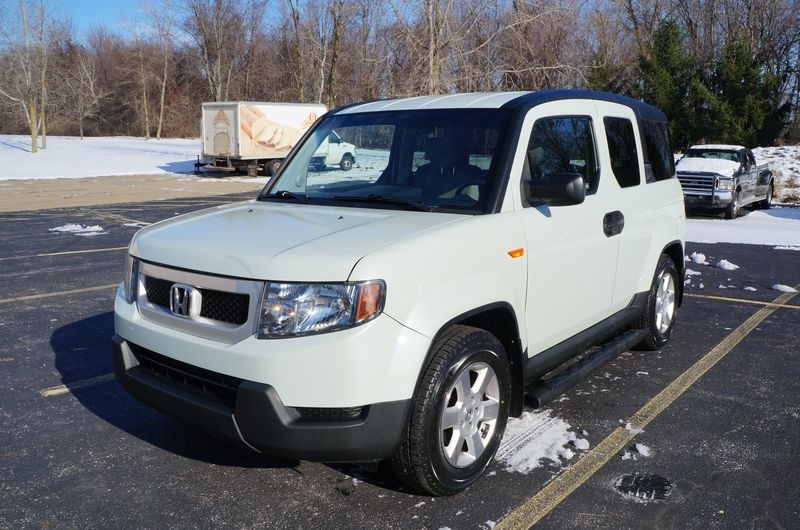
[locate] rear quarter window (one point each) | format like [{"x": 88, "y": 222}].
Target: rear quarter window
[
  {"x": 622, "y": 151},
  {"x": 660, "y": 164}
]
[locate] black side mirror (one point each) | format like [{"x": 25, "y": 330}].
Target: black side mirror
[{"x": 558, "y": 189}]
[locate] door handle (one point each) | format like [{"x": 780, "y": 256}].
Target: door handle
[{"x": 613, "y": 223}]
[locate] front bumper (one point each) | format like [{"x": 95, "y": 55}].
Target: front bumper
[
  {"x": 715, "y": 200},
  {"x": 252, "y": 414}
]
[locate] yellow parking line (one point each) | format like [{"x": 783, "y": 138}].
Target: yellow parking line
[
  {"x": 65, "y": 253},
  {"x": 538, "y": 506},
  {"x": 739, "y": 300},
  {"x": 57, "y": 293},
  {"x": 63, "y": 389}
]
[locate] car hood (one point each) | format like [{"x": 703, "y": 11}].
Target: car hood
[
  {"x": 276, "y": 241},
  {"x": 725, "y": 168}
]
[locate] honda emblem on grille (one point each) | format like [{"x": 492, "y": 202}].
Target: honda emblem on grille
[{"x": 184, "y": 300}]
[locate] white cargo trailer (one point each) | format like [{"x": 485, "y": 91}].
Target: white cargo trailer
[{"x": 251, "y": 135}]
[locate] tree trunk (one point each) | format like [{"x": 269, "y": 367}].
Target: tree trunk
[
  {"x": 298, "y": 48},
  {"x": 42, "y": 74},
  {"x": 337, "y": 35},
  {"x": 144, "y": 109},
  {"x": 161, "y": 98},
  {"x": 32, "y": 125}
]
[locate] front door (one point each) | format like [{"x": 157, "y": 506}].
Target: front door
[{"x": 571, "y": 259}]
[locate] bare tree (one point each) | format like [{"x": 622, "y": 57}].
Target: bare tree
[
  {"x": 294, "y": 7},
  {"x": 219, "y": 29},
  {"x": 161, "y": 20},
  {"x": 79, "y": 92},
  {"x": 22, "y": 80}
]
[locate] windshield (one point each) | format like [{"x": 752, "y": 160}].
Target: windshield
[
  {"x": 431, "y": 160},
  {"x": 733, "y": 156}
]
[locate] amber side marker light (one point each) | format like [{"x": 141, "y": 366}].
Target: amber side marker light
[
  {"x": 516, "y": 253},
  {"x": 370, "y": 301}
]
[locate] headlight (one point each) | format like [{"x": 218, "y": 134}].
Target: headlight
[
  {"x": 292, "y": 309},
  {"x": 131, "y": 280},
  {"x": 725, "y": 184}
]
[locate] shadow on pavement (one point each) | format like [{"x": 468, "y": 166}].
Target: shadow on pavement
[{"x": 82, "y": 351}]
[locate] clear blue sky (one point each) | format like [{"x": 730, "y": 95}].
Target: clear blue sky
[{"x": 114, "y": 15}]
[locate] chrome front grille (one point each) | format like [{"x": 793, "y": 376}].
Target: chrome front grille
[{"x": 697, "y": 183}]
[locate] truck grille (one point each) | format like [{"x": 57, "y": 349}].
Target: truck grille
[
  {"x": 697, "y": 183},
  {"x": 217, "y": 305},
  {"x": 218, "y": 386}
]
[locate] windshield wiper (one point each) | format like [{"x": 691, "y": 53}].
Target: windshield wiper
[
  {"x": 283, "y": 194},
  {"x": 382, "y": 199}
]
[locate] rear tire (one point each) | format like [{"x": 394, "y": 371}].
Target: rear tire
[
  {"x": 766, "y": 204},
  {"x": 658, "y": 315},
  {"x": 458, "y": 415}
]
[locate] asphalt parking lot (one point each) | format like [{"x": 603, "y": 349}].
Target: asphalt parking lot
[{"x": 718, "y": 409}]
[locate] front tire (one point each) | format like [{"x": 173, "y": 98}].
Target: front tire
[
  {"x": 346, "y": 163},
  {"x": 732, "y": 211},
  {"x": 658, "y": 315},
  {"x": 459, "y": 414},
  {"x": 273, "y": 166}
]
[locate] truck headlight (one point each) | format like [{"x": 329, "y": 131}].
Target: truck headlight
[
  {"x": 131, "y": 280},
  {"x": 725, "y": 184},
  {"x": 293, "y": 309}
]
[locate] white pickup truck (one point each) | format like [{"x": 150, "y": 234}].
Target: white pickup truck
[
  {"x": 724, "y": 178},
  {"x": 405, "y": 310}
]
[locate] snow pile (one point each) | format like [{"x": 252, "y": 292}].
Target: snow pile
[
  {"x": 80, "y": 230},
  {"x": 783, "y": 288},
  {"x": 784, "y": 161},
  {"x": 635, "y": 451},
  {"x": 726, "y": 265},
  {"x": 633, "y": 430},
  {"x": 698, "y": 258},
  {"x": 537, "y": 436},
  {"x": 642, "y": 449},
  {"x": 690, "y": 272}
]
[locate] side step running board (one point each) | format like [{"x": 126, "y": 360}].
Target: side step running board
[{"x": 545, "y": 390}]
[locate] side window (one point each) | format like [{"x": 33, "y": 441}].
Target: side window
[
  {"x": 564, "y": 144},
  {"x": 751, "y": 161},
  {"x": 660, "y": 163},
  {"x": 622, "y": 151}
]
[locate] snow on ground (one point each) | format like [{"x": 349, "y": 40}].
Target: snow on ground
[
  {"x": 778, "y": 226},
  {"x": 537, "y": 436},
  {"x": 71, "y": 157}
]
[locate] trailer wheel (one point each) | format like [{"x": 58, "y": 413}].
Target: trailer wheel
[
  {"x": 272, "y": 167},
  {"x": 252, "y": 169}
]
